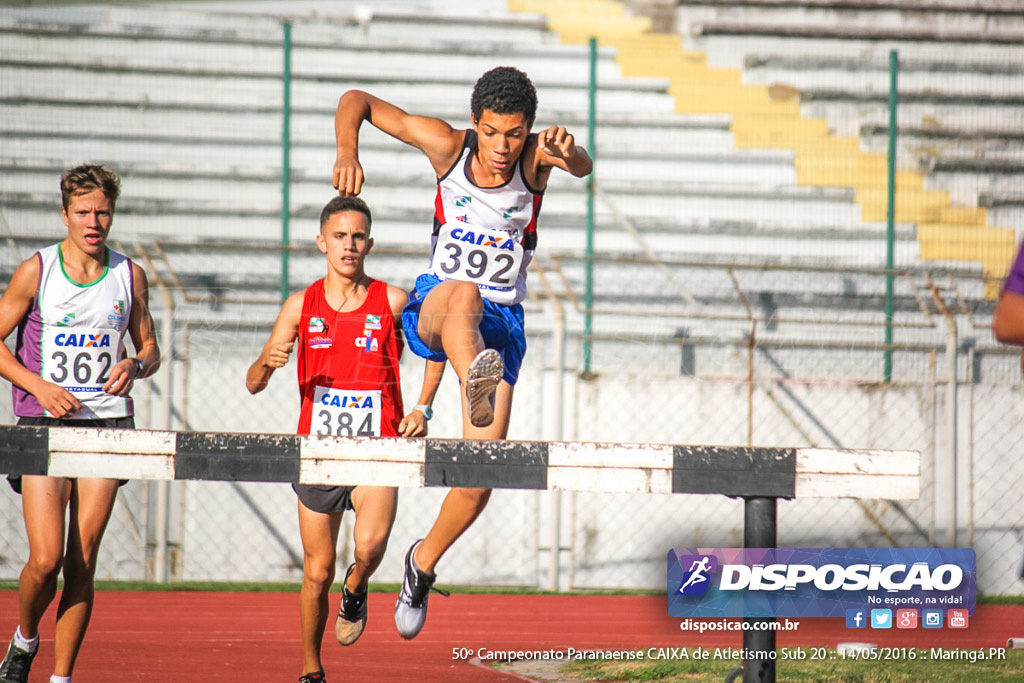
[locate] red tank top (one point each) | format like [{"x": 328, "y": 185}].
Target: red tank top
[{"x": 348, "y": 366}]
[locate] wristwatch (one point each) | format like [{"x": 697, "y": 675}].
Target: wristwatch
[
  {"x": 138, "y": 366},
  {"x": 427, "y": 411}
]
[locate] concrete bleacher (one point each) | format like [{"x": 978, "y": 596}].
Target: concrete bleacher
[
  {"x": 186, "y": 103},
  {"x": 959, "y": 116},
  {"x": 992, "y": 21},
  {"x": 205, "y": 130}
]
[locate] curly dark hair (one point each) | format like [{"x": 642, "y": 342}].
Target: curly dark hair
[{"x": 504, "y": 90}]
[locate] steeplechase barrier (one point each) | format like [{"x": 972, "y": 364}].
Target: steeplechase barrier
[{"x": 759, "y": 475}]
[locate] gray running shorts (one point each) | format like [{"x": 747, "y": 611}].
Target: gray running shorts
[{"x": 325, "y": 499}]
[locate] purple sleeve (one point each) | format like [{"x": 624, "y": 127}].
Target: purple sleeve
[{"x": 1015, "y": 278}]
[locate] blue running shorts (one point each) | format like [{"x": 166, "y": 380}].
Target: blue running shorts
[{"x": 501, "y": 327}]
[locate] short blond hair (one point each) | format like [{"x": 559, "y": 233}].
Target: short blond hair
[{"x": 86, "y": 178}]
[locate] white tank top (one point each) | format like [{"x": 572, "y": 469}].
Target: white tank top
[
  {"x": 484, "y": 235},
  {"x": 74, "y": 334}
]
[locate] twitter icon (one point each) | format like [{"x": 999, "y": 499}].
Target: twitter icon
[{"x": 881, "y": 618}]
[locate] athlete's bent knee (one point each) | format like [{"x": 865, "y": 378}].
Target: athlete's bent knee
[
  {"x": 77, "y": 568},
  {"x": 465, "y": 298},
  {"x": 44, "y": 567},
  {"x": 370, "y": 550}
]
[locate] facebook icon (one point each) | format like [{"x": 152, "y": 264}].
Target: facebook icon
[{"x": 856, "y": 618}]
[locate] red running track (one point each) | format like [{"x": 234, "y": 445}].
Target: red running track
[{"x": 179, "y": 637}]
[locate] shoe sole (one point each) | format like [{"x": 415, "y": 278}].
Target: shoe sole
[{"x": 485, "y": 372}]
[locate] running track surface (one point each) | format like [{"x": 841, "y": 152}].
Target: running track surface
[{"x": 179, "y": 637}]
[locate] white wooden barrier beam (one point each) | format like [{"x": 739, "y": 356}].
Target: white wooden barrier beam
[{"x": 567, "y": 466}]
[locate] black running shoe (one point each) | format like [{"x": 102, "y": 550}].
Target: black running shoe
[
  {"x": 16, "y": 665},
  {"x": 315, "y": 677}
]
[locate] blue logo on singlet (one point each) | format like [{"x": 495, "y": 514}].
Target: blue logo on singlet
[
  {"x": 483, "y": 239},
  {"x": 82, "y": 340},
  {"x": 346, "y": 401}
]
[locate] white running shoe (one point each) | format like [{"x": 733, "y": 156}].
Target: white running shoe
[
  {"x": 411, "y": 607},
  {"x": 485, "y": 372}
]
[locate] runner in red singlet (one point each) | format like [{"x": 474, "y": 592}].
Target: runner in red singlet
[{"x": 348, "y": 330}]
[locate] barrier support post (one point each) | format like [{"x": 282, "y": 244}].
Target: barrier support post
[{"x": 759, "y": 531}]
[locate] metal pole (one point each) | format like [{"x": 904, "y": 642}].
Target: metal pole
[
  {"x": 951, "y": 418},
  {"x": 751, "y": 346},
  {"x": 558, "y": 433},
  {"x": 556, "y": 496},
  {"x": 286, "y": 163},
  {"x": 759, "y": 531},
  {"x": 890, "y": 212},
  {"x": 163, "y": 488},
  {"x": 970, "y": 448},
  {"x": 951, "y": 415},
  {"x": 160, "y": 549},
  {"x": 933, "y": 431},
  {"x": 158, "y": 492},
  {"x": 588, "y": 296}
]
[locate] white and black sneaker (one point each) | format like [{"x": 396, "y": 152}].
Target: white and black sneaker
[
  {"x": 351, "y": 615},
  {"x": 16, "y": 665},
  {"x": 411, "y": 607},
  {"x": 485, "y": 372}
]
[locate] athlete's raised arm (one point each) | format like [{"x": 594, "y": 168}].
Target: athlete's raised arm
[
  {"x": 555, "y": 148},
  {"x": 434, "y": 137}
]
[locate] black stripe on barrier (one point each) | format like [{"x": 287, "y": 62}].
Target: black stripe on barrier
[
  {"x": 768, "y": 472},
  {"x": 237, "y": 457},
  {"x": 25, "y": 450},
  {"x": 490, "y": 464}
]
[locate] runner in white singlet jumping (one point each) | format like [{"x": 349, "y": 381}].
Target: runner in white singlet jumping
[{"x": 466, "y": 308}]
